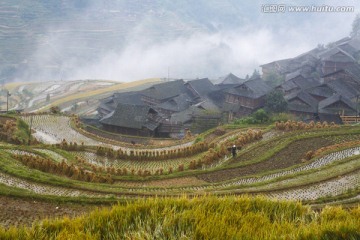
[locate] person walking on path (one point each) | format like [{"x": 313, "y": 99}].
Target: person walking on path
[{"x": 233, "y": 151}]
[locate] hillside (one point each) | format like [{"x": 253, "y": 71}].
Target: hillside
[
  {"x": 81, "y": 96},
  {"x": 247, "y": 172},
  {"x": 66, "y": 167}
]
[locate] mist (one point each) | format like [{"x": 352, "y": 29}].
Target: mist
[{"x": 259, "y": 38}]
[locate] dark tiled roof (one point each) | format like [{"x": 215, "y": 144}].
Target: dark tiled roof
[
  {"x": 217, "y": 97},
  {"x": 336, "y": 54},
  {"x": 176, "y": 104},
  {"x": 311, "y": 102},
  {"x": 293, "y": 75},
  {"x": 301, "y": 108},
  {"x": 307, "y": 83},
  {"x": 254, "y": 88},
  {"x": 282, "y": 64},
  {"x": 202, "y": 86},
  {"x": 128, "y": 98},
  {"x": 289, "y": 85},
  {"x": 322, "y": 91},
  {"x": 304, "y": 97},
  {"x": 166, "y": 90},
  {"x": 342, "y": 88},
  {"x": 354, "y": 71},
  {"x": 129, "y": 116},
  {"x": 349, "y": 49},
  {"x": 107, "y": 106},
  {"x": 207, "y": 104},
  {"x": 184, "y": 116},
  {"x": 231, "y": 79},
  {"x": 302, "y": 83},
  {"x": 222, "y": 87},
  {"x": 336, "y": 98},
  {"x": 312, "y": 54}
]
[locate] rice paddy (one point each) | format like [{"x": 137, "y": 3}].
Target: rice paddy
[{"x": 270, "y": 164}]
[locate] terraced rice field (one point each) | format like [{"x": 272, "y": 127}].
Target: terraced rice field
[
  {"x": 274, "y": 166},
  {"x": 152, "y": 166},
  {"x": 52, "y": 129}
]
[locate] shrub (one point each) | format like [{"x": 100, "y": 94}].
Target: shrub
[{"x": 310, "y": 154}]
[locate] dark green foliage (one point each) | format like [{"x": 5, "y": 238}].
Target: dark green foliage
[
  {"x": 55, "y": 109},
  {"x": 260, "y": 116},
  {"x": 274, "y": 79},
  {"x": 255, "y": 74},
  {"x": 275, "y": 102}
]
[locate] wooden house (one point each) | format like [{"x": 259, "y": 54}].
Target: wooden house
[
  {"x": 302, "y": 105},
  {"x": 109, "y": 104},
  {"x": 281, "y": 67},
  {"x": 335, "y": 59},
  {"x": 348, "y": 75},
  {"x": 176, "y": 104},
  {"x": 200, "y": 88},
  {"x": 230, "y": 79},
  {"x": 338, "y": 104},
  {"x": 298, "y": 83},
  {"x": 321, "y": 92},
  {"x": 139, "y": 120},
  {"x": 246, "y": 97},
  {"x": 163, "y": 92}
]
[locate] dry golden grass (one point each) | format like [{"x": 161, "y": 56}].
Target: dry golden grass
[
  {"x": 200, "y": 218},
  {"x": 116, "y": 87},
  {"x": 13, "y": 85}
]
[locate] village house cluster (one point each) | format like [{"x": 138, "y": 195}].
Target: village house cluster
[
  {"x": 321, "y": 85},
  {"x": 168, "y": 108}
]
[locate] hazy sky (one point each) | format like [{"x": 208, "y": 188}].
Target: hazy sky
[{"x": 257, "y": 38}]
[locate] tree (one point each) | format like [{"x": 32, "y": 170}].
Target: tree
[
  {"x": 274, "y": 79},
  {"x": 260, "y": 116},
  {"x": 255, "y": 74},
  {"x": 55, "y": 109},
  {"x": 356, "y": 26},
  {"x": 275, "y": 102}
]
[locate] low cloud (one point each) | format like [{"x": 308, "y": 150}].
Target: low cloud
[
  {"x": 200, "y": 55},
  {"x": 197, "y": 55}
]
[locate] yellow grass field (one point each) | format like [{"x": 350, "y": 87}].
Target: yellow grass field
[
  {"x": 119, "y": 86},
  {"x": 13, "y": 85}
]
